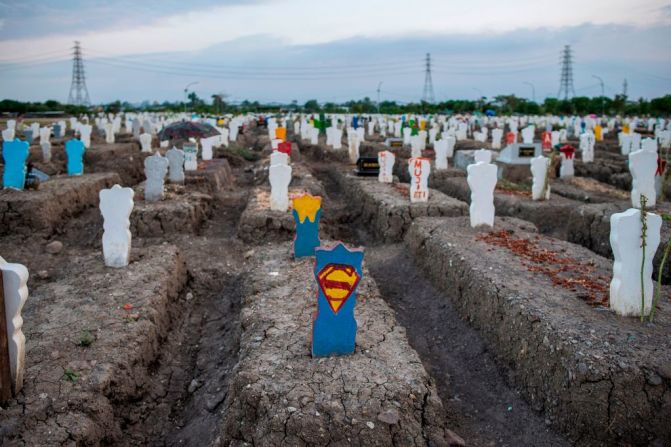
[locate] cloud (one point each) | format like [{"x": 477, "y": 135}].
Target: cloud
[
  {"x": 278, "y": 51},
  {"x": 139, "y": 27}
]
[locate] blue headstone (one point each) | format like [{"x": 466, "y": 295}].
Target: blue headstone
[
  {"x": 28, "y": 135},
  {"x": 355, "y": 122},
  {"x": 14, "y": 153},
  {"x": 57, "y": 131},
  {"x": 75, "y": 152},
  {"x": 338, "y": 272},
  {"x": 307, "y": 211}
]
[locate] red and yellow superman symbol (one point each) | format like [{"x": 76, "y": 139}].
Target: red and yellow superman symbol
[{"x": 337, "y": 282}]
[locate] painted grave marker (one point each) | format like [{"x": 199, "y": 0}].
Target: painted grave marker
[
  {"x": 386, "y": 160},
  {"x": 306, "y": 212},
  {"x": 75, "y": 152},
  {"x": 338, "y": 271},
  {"x": 14, "y": 153},
  {"x": 419, "y": 169},
  {"x": 190, "y": 157}
]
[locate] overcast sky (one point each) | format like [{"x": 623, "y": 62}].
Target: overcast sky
[{"x": 281, "y": 50}]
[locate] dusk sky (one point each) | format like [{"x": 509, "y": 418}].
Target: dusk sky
[{"x": 283, "y": 50}]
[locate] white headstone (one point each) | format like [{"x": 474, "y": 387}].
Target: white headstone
[
  {"x": 482, "y": 155},
  {"x": 649, "y": 144},
  {"x": 587, "y": 141},
  {"x": 190, "y": 157},
  {"x": 279, "y": 158},
  {"x": 155, "y": 169},
  {"x": 528, "y": 134},
  {"x": 415, "y": 146},
  {"x": 440, "y": 148},
  {"x": 176, "y": 165},
  {"x": 386, "y": 161},
  {"x": 8, "y": 135},
  {"x": 314, "y": 136},
  {"x": 419, "y": 169},
  {"x": 481, "y": 178},
  {"x": 46, "y": 151},
  {"x": 566, "y": 169},
  {"x": 116, "y": 205},
  {"x": 497, "y": 135},
  {"x": 539, "y": 171},
  {"x": 407, "y": 134},
  {"x": 451, "y": 143},
  {"x": 45, "y": 134},
  {"x": 625, "y": 240},
  {"x": 109, "y": 133},
  {"x": 206, "y": 147},
  {"x": 145, "y": 141},
  {"x": 85, "y": 134},
  {"x": 643, "y": 165},
  {"x": 353, "y": 142},
  {"x": 280, "y": 177},
  {"x": 15, "y": 279}
]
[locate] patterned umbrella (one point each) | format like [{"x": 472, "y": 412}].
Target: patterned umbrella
[{"x": 187, "y": 129}]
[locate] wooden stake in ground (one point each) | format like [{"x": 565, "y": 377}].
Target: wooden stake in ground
[{"x": 5, "y": 375}]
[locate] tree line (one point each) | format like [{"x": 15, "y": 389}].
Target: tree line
[{"x": 499, "y": 105}]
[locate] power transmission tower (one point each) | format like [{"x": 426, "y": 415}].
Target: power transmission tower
[
  {"x": 624, "y": 88},
  {"x": 79, "y": 94},
  {"x": 428, "y": 95},
  {"x": 566, "y": 82}
]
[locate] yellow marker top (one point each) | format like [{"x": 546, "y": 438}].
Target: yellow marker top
[{"x": 307, "y": 206}]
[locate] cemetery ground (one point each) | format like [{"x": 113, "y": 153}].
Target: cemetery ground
[{"x": 204, "y": 338}]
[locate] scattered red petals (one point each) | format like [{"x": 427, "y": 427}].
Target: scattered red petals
[
  {"x": 563, "y": 271},
  {"x": 127, "y": 306}
]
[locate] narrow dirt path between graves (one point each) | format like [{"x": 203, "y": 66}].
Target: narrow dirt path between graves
[
  {"x": 481, "y": 407},
  {"x": 183, "y": 404}
]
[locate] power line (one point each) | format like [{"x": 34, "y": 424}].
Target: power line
[
  {"x": 79, "y": 94},
  {"x": 180, "y": 71}
]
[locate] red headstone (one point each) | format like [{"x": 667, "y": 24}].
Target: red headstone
[
  {"x": 568, "y": 151},
  {"x": 285, "y": 147},
  {"x": 511, "y": 137},
  {"x": 547, "y": 141}
]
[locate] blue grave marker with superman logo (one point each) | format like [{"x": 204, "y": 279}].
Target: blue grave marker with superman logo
[{"x": 338, "y": 271}]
